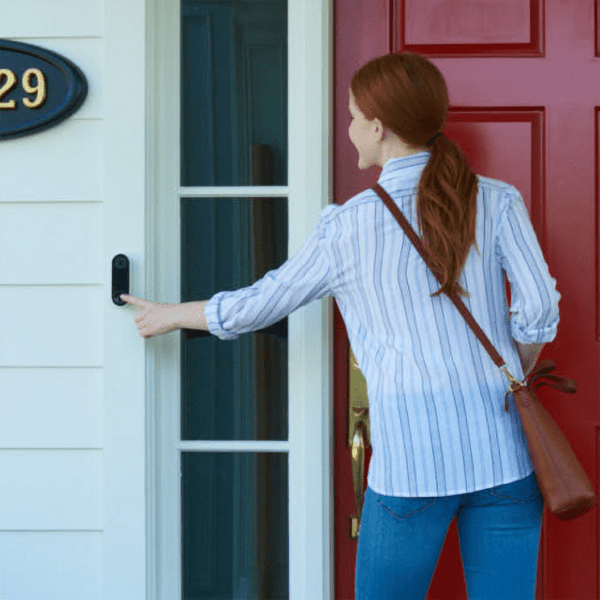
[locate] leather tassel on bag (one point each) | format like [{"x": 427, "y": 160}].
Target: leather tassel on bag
[
  {"x": 539, "y": 376},
  {"x": 564, "y": 484}
]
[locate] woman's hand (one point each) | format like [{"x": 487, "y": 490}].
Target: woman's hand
[{"x": 155, "y": 318}]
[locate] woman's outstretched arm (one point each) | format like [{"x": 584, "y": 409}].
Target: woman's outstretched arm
[
  {"x": 305, "y": 276},
  {"x": 191, "y": 315}
]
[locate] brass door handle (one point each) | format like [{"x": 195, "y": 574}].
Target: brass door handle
[
  {"x": 358, "y": 475},
  {"x": 358, "y": 436}
]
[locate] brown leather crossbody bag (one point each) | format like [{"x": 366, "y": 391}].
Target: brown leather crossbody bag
[{"x": 565, "y": 487}]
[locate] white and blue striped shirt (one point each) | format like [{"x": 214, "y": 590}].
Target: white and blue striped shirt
[{"x": 436, "y": 399}]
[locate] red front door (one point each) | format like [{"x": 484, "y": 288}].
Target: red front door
[{"x": 524, "y": 83}]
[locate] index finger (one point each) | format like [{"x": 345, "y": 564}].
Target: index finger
[{"x": 140, "y": 302}]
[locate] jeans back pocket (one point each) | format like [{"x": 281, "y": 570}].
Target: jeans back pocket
[
  {"x": 521, "y": 491},
  {"x": 404, "y": 508}
]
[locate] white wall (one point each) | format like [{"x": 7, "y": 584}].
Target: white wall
[
  {"x": 73, "y": 455},
  {"x": 54, "y": 290}
]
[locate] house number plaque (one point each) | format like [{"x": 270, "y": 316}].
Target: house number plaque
[{"x": 38, "y": 89}]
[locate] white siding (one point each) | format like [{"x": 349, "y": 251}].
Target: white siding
[
  {"x": 73, "y": 415},
  {"x": 28, "y": 243},
  {"x": 51, "y": 18},
  {"x": 51, "y": 325},
  {"x": 50, "y": 408},
  {"x": 64, "y": 163},
  {"x": 50, "y": 490},
  {"x": 55, "y": 565}
]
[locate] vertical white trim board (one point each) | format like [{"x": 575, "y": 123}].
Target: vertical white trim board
[
  {"x": 124, "y": 182},
  {"x": 311, "y": 491}
]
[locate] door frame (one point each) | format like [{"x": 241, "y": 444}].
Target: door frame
[{"x": 310, "y": 335}]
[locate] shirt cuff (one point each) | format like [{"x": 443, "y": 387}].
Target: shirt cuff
[
  {"x": 212, "y": 312},
  {"x": 533, "y": 336}
]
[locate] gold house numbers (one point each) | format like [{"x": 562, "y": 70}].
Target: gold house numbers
[
  {"x": 38, "y": 89},
  {"x": 33, "y": 82}
]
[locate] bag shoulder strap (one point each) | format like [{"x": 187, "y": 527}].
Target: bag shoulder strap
[{"x": 460, "y": 305}]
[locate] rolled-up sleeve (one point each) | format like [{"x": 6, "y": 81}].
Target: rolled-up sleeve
[
  {"x": 534, "y": 298},
  {"x": 305, "y": 276}
]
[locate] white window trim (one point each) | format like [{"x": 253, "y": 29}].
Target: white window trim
[{"x": 310, "y": 169}]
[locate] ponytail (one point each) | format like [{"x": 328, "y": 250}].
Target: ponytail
[{"x": 447, "y": 211}]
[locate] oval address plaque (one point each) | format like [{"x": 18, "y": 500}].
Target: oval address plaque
[{"x": 38, "y": 89}]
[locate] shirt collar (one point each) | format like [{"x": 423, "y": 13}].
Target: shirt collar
[{"x": 404, "y": 167}]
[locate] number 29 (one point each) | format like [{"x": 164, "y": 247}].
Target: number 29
[{"x": 39, "y": 89}]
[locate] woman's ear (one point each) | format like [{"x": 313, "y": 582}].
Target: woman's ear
[{"x": 379, "y": 129}]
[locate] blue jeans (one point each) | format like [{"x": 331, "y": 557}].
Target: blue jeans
[{"x": 499, "y": 534}]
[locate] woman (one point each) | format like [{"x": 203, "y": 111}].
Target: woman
[{"x": 443, "y": 445}]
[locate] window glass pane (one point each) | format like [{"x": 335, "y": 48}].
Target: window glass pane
[
  {"x": 235, "y": 525},
  {"x": 233, "y": 390},
  {"x": 233, "y": 92}
]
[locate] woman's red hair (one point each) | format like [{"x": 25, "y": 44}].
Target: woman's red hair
[{"x": 408, "y": 94}]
